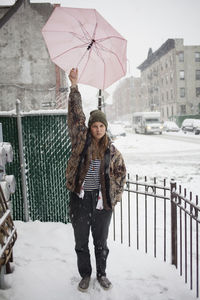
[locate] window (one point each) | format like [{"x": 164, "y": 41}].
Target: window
[
  {"x": 181, "y": 56},
  {"x": 197, "y": 74},
  {"x": 199, "y": 107},
  {"x": 182, "y": 75},
  {"x": 197, "y": 56},
  {"x": 183, "y": 109},
  {"x": 171, "y": 94},
  {"x": 171, "y": 77},
  {"x": 197, "y": 91},
  {"x": 167, "y": 95},
  {"x": 182, "y": 92}
]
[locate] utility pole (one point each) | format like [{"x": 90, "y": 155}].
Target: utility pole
[{"x": 100, "y": 100}]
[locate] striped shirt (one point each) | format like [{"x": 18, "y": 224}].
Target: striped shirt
[{"x": 92, "y": 179}]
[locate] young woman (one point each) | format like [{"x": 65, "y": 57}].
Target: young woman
[{"x": 96, "y": 175}]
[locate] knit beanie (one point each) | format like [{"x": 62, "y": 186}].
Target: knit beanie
[{"x": 97, "y": 116}]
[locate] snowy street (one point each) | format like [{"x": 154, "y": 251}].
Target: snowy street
[{"x": 170, "y": 155}]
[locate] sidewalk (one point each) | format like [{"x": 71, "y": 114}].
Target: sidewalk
[{"x": 45, "y": 269}]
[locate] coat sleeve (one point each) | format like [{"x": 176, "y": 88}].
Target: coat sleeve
[
  {"x": 76, "y": 117},
  {"x": 119, "y": 173}
]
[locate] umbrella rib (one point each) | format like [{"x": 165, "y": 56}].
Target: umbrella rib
[
  {"x": 100, "y": 56},
  {"x": 103, "y": 48},
  {"x": 77, "y": 20},
  {"x": 79, "y": 37},
  {"x": 110, "y": 37},
  {"x": 80, "y": 46},
  {"x": 85, "y": 32},
  {"x": 89, "y": 53}
]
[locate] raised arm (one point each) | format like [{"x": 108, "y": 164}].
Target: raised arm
[{"x": 76, "y": 116}]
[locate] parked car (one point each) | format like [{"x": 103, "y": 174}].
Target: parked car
[
  {"x": 116, "y": 130},
  {"x": 192, "y": 125},
  {"x": 196, "y": 126},
  {"x": 170, "y": 126}
]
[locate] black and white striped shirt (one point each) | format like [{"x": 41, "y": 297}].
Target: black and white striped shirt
[{"x": 92, "y": 179}]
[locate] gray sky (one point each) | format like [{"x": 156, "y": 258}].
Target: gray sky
[{"x": 145, "y": 23}]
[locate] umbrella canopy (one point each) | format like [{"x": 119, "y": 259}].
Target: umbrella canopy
[{"x": 82, "y": 38}]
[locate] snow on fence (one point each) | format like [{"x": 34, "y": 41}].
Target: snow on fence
[{"x": 156, "y": 217}]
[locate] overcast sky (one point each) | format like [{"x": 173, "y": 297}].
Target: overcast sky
[{"x": 145, "y": 23}]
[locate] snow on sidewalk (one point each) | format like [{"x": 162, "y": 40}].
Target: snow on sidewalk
[{"x": 45, "y": 269}]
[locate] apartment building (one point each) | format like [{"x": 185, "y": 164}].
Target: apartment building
[
  {"x": 126, "y": 99},
  {"x": 170, "y": 80}
]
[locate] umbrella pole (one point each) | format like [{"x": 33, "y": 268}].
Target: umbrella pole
[{"x": 99, "y": 100}]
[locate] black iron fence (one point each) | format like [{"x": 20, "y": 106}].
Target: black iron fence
[{"x": 161, "y": 219}]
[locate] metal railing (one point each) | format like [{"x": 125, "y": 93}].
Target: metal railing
[{"x": 157, "y": 218}]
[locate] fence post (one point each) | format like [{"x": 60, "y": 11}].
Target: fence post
[
  {"x": 22, "y": 162},
  {"x": 173, "y": 223}
]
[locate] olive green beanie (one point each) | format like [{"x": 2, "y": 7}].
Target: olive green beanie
[{"x": 97, "y": 116}]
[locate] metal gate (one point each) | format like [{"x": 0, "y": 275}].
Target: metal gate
[{"x": 162, "y": 219}]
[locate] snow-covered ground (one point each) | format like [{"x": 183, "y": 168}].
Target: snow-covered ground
[
  {"x": 45, "y": 268},
  {"x": 172, "y": 155},
  {"x": 44, "y": 258}
]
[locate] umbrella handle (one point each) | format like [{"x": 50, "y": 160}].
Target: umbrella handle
[{"x": 90, "y": 45}]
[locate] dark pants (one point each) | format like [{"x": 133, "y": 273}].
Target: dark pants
[{"x": 84, "y": 216}]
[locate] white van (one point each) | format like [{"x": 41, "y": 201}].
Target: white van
[{"x": 147, "y": 122}]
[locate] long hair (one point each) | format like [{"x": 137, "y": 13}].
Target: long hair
[{"x": 98, "y": 149}]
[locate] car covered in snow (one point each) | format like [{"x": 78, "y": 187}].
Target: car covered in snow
[
  {"x": 191, "y": 125},
  {"x": 196, "y": 125},
  {"x": 116, "y": 130},
  {"x": 170, "y": 126},
  {"x": 187, "y": 125}
]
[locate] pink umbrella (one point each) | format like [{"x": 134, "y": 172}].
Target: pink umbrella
[{"x": 82, "y": 38}]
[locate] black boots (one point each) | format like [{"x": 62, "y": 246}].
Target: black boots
[{"x": 84, "y": 284}]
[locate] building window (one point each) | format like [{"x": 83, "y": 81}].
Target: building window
[
  {"x": 182, "y": 92},
  {"x": 199, "y": 108},
  {"x": 197, "y": 56},
  {"x": 171, "y": 77},
  {"x": 197, "y": 74},
  {"x": 171, "y": 94},
  {"x": 182, "y": 75},
  {"x": 183, "y": 109},
  {"x": 167, "y": 95},
  {"x": 197, "y": 91},
  {"x": 181, "y": 56}
]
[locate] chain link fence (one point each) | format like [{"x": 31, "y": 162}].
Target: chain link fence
[{"x": 46, "y": 149}]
